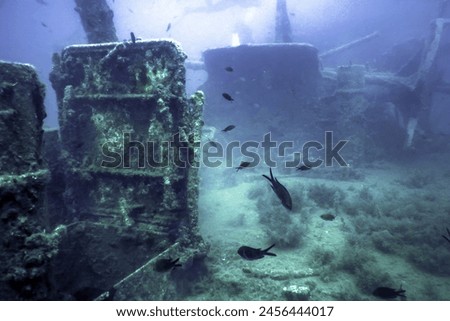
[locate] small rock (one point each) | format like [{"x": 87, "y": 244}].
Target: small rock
[{"x": 296, "y": 293}]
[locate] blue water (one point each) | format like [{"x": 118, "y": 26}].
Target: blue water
[{"x": 389, "y": 201}]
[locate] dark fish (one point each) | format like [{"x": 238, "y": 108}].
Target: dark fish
[
  {"x": 133, "y": 37},
  {"x": 168, "y": 27},
  {"x": 228, "y": 128},
  {"x": 213, "y": 143},
  {"x": 389, "y": 293},
  {"x": 242, "y": 165},
  {"x": 280, "y": 191},
  {"x": 229, "y": 69},
  {"x": 327, "y": 217},
  {"x": 303, "y": 168},
  {"x": 44, "y": 25},
  {"x": 227, "y": 97},
  {"x": 131, "y": 11},
  {"x": 250, "y": 253},
  {"x": 164, "y": 265},
  {"x": 445, "y": 237},
  {"x": 42, "y": 2}
]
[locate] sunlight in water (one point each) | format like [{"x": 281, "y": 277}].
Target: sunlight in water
[{"x": 235, "y": 40}]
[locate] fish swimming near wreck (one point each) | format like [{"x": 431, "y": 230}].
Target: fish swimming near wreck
[
  {"x": 250, "y": 253},
  {"x": 213, "y": 143},
  {"x": 388, "y": 293},
  {"x": 229, "y": 69},
  {"x": 164, "y": 265},
  {"x": 280, "y": 191},
  {"x": 228, "y": 128},
  {"x": 328, "y": 217},
  {"x": 227, "y": 97},
  {"x": 242, "y": 165}
]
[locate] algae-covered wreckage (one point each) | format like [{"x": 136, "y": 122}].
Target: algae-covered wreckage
[
  {"x": 116, "y": 220},
  {"x": 26, "y": 249},
  {"x": 107, "y": 93}
]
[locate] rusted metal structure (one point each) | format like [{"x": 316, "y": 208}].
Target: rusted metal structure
[
  {"x": 97, "y": 20},
  {"x": 25, "y": 247},
  {"x": 119, "y": 99}
]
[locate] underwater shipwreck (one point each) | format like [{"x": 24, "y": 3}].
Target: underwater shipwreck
[{"x": 75, "y": 225}]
